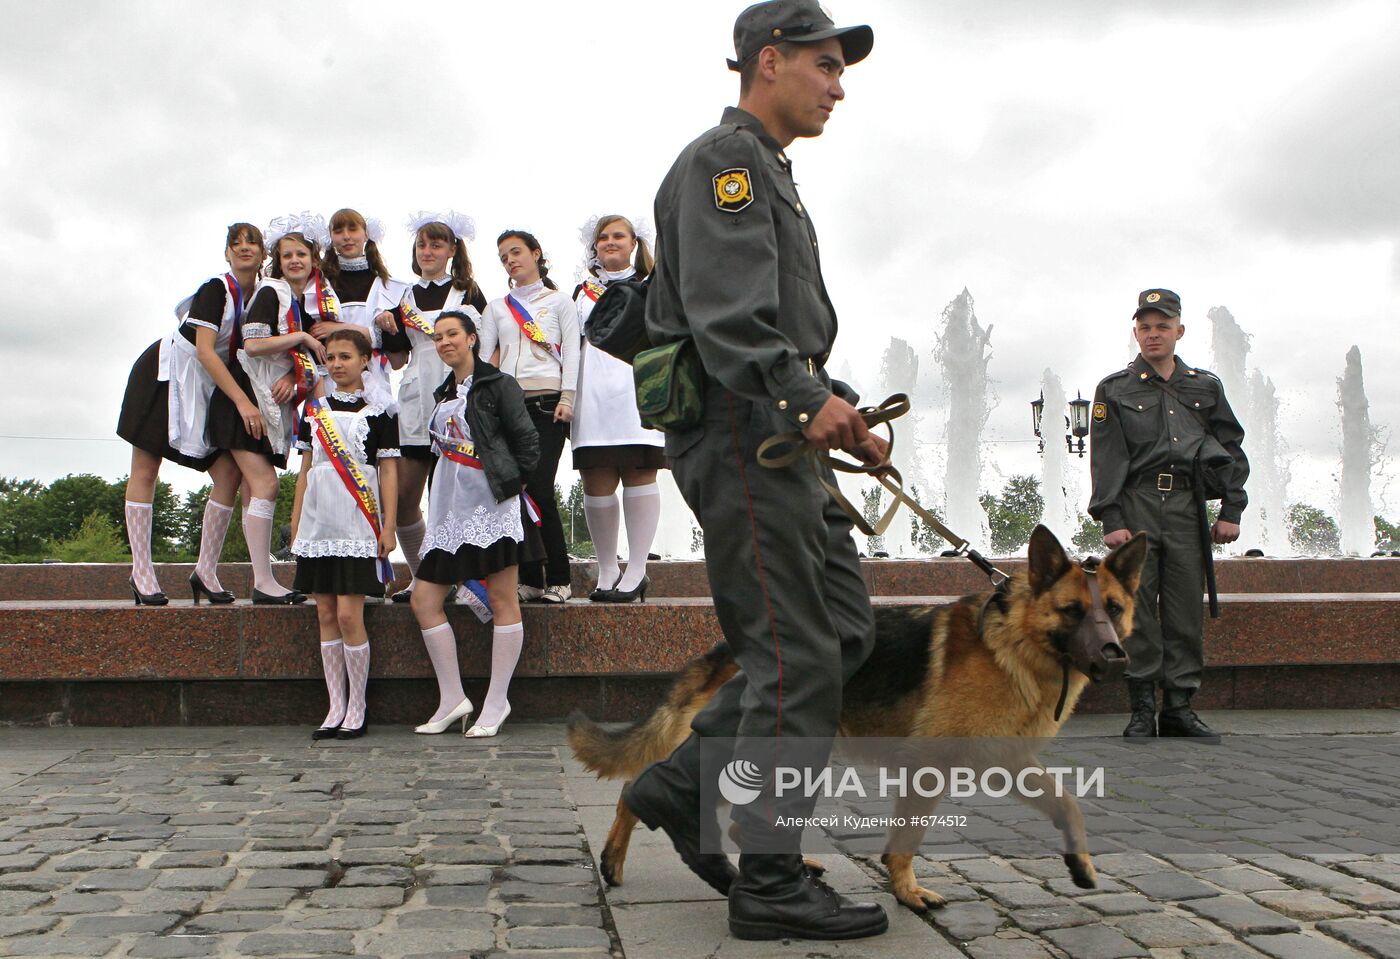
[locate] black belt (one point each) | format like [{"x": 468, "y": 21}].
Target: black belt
[{"x": 1163, "y": 482}]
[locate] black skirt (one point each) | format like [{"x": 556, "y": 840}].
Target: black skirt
[
  {"x": 634, "y": 456},
  {"x": 226, "y": 430},
  {"x": 476, "y": 562},
  {"x": 145, "y": 417},
  {"x": 340, "y": 575},
  {"x": 424, "y": 453}
]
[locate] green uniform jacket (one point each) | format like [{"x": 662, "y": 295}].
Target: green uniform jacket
[
  {"x": 738, "y": 271},
  {"x": 1138, "y": 430}
]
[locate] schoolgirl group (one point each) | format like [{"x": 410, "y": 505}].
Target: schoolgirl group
[{"x": 291, "y": 349}]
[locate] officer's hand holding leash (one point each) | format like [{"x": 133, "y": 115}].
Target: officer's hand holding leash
[{"x": 839, "y": 426}]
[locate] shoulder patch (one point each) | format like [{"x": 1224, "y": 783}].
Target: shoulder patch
[
  {"x": 733, "y": 191},
  {"x": 1100, "y": 412}
]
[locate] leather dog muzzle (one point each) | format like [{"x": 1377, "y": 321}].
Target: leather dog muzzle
[{"x": 1096, "y": 651}]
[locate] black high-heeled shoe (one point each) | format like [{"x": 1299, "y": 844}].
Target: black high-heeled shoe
[
  {"x": 597, "y": 595},
  {"x": 146, "y": 599},
  {"x": 197, "y": 586},
  {"x": 343, "y": 733},
  {"x": 404, "y": 595},
  {"x": 325, "y": 732},
  {"x": 626, "y": 595},
  {"x": 289, "y": 598}
]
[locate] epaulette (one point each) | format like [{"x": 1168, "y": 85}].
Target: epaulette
[
  {"x": 1198, "y": 371},
  {"x": 1116, "y": 373}
]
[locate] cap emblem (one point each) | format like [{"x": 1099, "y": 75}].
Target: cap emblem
[{"x": 1153, "y": 297}]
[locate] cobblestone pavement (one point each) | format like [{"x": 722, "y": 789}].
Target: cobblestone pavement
[{"x": 254, "y": 842}]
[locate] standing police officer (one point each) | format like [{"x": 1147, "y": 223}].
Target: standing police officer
[
  {"x": 738, "y": 272},
  {"x": 1163, "y": 439}
]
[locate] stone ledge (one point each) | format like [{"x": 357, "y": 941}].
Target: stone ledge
[
  {"x": 927, "y": 577},
  {"x": 94, "y": 640},
  {"x": 605, "y": 698}
]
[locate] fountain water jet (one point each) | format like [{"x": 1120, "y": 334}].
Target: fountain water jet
[
  {"x": 1268, "y": 474},
  {"x": 899, "y": 373},
  {"x": 963, "y": 351},
  {"x": 1358, "y": 457}
]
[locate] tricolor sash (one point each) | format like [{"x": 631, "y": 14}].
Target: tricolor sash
[
  {"x": 319, "y": 414},
  {"x": 235, "y": 293},
  {"x": 303, "y": 366},
  {"x": 531, "y": 329},
  {"x": 456, "y": 447},
  {"x": 593, "y": 289}
]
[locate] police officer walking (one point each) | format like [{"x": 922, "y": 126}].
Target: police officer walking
[
  {"x": 738, "y": 273},
  {"x": 1163, "y": 440}
]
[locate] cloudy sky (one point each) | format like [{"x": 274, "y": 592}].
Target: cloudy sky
[{"x": 1054, "y": 159}]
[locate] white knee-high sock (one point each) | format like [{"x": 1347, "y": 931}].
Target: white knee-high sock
[
  {"x": 333, "y": 665},
  {"x": 642, "y": 506},
  {"x": 257, "y": 530},
  {"x": 411, "y": 539},
  {"x": 603, "y": 514},
  {"x": 442, "y": 650},
  {"x": 138, "y": 534},
  {"x": 506, "y": 642},
  {"x": 211, "y": 543},
  {"x": 357, "y": 669}
]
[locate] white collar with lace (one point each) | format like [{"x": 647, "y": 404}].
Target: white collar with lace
[
  {"x": 612, "y": 276},
  {"x": 353, "y": 263},
  {"x": 529, "y": 291},
  {"x": 425, "y": 283},
  {"x": 349, "y": 397}
]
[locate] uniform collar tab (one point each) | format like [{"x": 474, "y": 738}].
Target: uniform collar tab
[{"x": 754, "y": 125}]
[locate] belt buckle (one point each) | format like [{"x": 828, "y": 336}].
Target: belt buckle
[
  {"x": 811, "y": 367},
  {"x": 1168, "y": 478}
]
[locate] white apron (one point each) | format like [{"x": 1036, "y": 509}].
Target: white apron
[
  {"x": 605, "y": 409},
  {"x": 331, "y": 522},
  {"x": 382, "y": 297},
  {"x": 263, "y": 371},
  {"x": 191, "y": 386},
  {"x": 424, "y": 372}
]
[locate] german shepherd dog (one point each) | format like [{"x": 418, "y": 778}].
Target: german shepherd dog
[{"x": 989, "y": 665}]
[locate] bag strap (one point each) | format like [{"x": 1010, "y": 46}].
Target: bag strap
[{"x": 785, "y": 449}]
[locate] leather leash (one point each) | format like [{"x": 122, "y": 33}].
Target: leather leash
[{"x": 785, "y": 449}]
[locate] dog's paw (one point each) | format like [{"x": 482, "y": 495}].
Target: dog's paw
[
  {"x": 814, "y": 867},
  {"x": 920, "y": 899},
  {"x": 1081, "y": 870},
  {"x": 611, "y": 871}
]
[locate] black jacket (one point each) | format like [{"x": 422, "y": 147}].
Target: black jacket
[{"x": 505, "y": 438}]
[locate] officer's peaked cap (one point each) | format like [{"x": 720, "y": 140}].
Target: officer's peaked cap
[{"x": 795, "y": 21}]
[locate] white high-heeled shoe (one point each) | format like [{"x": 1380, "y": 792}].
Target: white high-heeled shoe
[
  {"x": 462, "y": 711},
  {"x": 484, "y": 732}
]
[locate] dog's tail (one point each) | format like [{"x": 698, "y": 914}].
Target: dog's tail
[{"x": 624, "y": 752}]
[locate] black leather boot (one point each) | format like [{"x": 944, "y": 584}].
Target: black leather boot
[
  {"x": 1142, "y": 697},
  {"x": 662, "y": 799},
  {"x": 1179, "y": 719},
  {"x": 776, "y": 898}
]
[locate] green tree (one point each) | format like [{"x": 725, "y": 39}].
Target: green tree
[
  {"x": 1310, "y": 530},
  {"x": 922, "y": 535},
  {"x": 1387, "y": 534},
  {"x": 21, "y": 522},
  {"x": 69, "y": 500},
  {"x": 97, "y": 540},
  {"x": 870, "y": 508},
  {"x": 575, "y": 523},
  {"x": 1013, "y": 514},
  {"x": 1089, "y": 539}
]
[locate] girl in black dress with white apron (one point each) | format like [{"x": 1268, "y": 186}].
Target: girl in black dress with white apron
[
  {"x": 278, "y": 369},
  {"x": 608, "y": 440},
  {"x": 355, "y": 269},
  {"x": 476, "y": 525},
  {"x": 445, "y": 282},
  {"x": 343, "y": 522},
  {"x": 165, "y": 412}
]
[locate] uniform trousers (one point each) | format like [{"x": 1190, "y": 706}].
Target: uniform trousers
[
  {"x": 540, "y": 485},
  {"x": 1166, "y": 645},
  {"x": 788, "y": 592}
]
